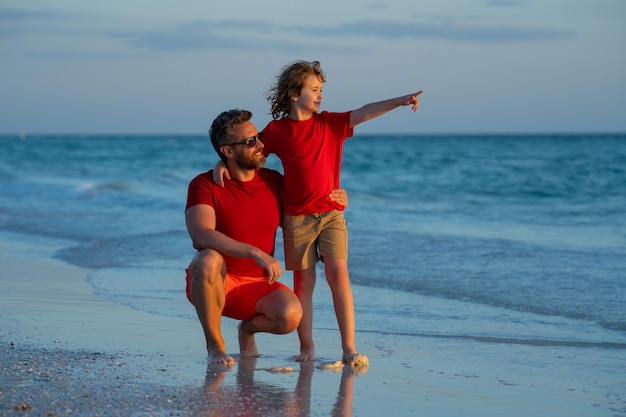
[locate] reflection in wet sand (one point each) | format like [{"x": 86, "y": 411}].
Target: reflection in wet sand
[{"x": 249, "y": 397}]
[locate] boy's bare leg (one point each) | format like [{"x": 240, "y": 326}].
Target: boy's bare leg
[
  {"x": 304, "y": 284},
  {"x": 339, "y": 282}
]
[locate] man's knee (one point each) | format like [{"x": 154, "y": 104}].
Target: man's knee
[
  {"x": 207, "y": 265},
  {"x": 289, "y": 317}
]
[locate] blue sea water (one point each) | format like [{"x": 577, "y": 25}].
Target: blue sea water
[{"x": 508, "y": 237}]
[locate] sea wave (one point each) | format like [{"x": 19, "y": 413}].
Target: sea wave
[
  {"x": 526, "y": 223},
  {"x": 90, "y": 189},
  {"x": 129, "y": 251}
]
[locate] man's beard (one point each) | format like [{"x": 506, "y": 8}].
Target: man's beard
[{"x": 250, "y": 161}]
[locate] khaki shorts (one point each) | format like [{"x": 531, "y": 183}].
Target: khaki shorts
[{"x": 310, "y": 237}]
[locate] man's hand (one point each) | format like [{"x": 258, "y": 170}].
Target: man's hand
[{"x": 269, "y": 263}]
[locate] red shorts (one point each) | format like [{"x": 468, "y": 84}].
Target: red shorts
[{"x": 242, "y": 294}]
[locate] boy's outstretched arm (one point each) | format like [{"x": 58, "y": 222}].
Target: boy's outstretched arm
[{"x": 372, "y": 110}]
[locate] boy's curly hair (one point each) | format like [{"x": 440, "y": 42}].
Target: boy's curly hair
[{"x": 289, "y": 84}]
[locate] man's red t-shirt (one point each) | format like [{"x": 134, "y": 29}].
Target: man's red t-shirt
[{"x": 248, "y": 212}]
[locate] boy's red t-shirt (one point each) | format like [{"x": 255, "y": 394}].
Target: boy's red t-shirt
[{"x": 310, "y": 151}]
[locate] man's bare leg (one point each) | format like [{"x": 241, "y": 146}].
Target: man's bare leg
[
  {"x": 247, "y": 343},
  {"x": 279, "y": 312},
  {"x": 207, "y": 293},
  {"x": 304, "y": 284}
]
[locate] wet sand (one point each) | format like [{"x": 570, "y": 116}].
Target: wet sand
[{"x": 65, "y": 351}]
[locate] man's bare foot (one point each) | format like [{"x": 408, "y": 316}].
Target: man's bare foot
[
  {"x": 219, "y": 357},
  {"x": 306, "y": 355},
  {"x": 247, "y": 343}
]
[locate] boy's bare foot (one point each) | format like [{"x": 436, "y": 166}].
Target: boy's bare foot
[
  {"x": 247, "y": 343},
  {"x": 306, "y": 355}
]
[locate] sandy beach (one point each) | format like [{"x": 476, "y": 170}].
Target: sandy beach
[{"x": 65, "y": 351}]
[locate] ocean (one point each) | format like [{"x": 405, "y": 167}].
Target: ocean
[{"x": 512, "y": 238}]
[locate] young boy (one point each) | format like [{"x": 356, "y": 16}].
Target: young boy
[{"x": 310, "y": 144}]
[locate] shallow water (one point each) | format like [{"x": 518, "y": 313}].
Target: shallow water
[{"x": 519, "y": 238}]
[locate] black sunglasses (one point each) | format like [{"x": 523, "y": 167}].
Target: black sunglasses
[{"x": 250, "y": 142}]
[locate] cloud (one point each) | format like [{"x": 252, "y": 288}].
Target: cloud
[
  {"x": 224, "y": 35},
  {"x": 196, "y": 35},
  {"x": 455, "y": 31},
  {"x": 379, "y": 5},
  {"x": 505, "y": 3},
  {"x": 17, "y": 22},
  {"x": 20, "y": 15},
  {"x": 264, "y": 36}
]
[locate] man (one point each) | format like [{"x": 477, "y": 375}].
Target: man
[{"x": 234, "y": 272}]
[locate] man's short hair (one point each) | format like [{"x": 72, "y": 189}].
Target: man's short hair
[{"x": 221, "y": 131}]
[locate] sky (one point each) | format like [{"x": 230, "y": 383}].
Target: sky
[{"x": 171, "y": 66}]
